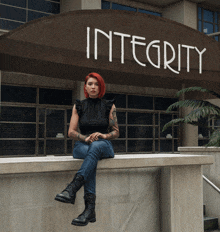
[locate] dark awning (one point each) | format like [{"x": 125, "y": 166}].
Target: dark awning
[{"x": 56, "y": 46}]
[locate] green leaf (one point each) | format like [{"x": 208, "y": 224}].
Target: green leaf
[
  {"x": 200, "y": 89},
  {"x": 193, "y": 104},
  {"x": 172, "y": 122},
  {"x": 214, "y": 139}
]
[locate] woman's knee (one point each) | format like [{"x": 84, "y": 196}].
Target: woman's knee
[{"x": 80, "y": 150}]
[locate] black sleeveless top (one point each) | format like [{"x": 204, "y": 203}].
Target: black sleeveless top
[{"x": 94, "y": 115}]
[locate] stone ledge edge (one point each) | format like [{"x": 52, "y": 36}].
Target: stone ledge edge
[
  {"x": 199, "y": 149},
  {"x": 66, "y": 163}
]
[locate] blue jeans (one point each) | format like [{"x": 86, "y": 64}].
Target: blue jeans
[{"x": 92, "y": 153}]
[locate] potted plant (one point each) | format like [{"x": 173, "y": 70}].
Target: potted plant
[{"x": 200, "y": 109}]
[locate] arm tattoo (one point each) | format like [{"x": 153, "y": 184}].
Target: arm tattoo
[
  {"x": 77, "y": 136},
  {"x": 113, "y": 124}
]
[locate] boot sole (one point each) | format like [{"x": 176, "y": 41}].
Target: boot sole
[
  {"x": 64, "y": 200},
  {"x": 85, "y": 224}
]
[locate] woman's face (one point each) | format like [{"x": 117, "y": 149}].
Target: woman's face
[{"x": 92, "y": 87}]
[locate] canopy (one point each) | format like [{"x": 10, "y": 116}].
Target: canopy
[{"x": 132, "y": 49}]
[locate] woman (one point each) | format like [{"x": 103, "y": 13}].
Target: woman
[{"x": 95, "y": 117}]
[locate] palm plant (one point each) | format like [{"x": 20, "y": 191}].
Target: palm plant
[{"x": 200, "y": 109}]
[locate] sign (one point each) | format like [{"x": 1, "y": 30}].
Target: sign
[{"x": 140, "y": 41}]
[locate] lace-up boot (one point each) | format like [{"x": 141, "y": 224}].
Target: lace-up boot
[
  {"x": 88, "y": 215},
  {"x": 68, "y": 195}
]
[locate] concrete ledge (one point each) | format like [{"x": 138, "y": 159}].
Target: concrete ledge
[
  {"x": 67, "y": 163},
  {"x": 199, "y": 149}
]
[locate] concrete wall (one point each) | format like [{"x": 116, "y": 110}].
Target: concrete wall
[
  {"x": 212, "y": 172},
  {"x": 69, "y": 5},
  {"x": 184, "y": 12},
  {"x": 127, "y": 200},
  {"x": 132, "y": 195}
]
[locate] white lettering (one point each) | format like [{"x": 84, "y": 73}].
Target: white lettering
[
  {"x": 122, "y": 44},
  {"x": 138, "y": 40},
  {"x": 167, "y": 62},
  {"x": 158, "y": 53},
  {"x": 88, "y": 43},
  {"x": 188, "y": 61},
  {"x": 200, "y": 58},
  {"x": 109, "y": 36},
  {"x": 133, "y": 47},
  {"x": 179, "y": 57}
]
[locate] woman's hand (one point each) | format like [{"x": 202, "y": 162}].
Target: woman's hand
[{"x": 95, "y": 136}]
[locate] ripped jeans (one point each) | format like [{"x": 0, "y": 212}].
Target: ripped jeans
[{"x": 91, "y": 153}]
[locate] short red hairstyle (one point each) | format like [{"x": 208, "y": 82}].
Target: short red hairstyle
[{"x": 101, "y": 84}]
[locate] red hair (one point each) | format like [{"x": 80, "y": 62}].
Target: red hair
[{"x": 100, "y": 82}]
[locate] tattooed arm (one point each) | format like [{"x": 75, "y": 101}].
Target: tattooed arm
[
  {"x": 113, "y": 124},
  {"x": 73, "y": 133}
]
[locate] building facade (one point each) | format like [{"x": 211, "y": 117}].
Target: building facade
[{"x": 37, "y": 101}]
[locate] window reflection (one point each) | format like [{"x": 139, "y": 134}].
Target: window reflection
[
  {"x": 13, "y": 13},
  {"x": 20, "y": 3},
  {"x": 116, "y": 6},
  {"x": 16, "y": 147},
  {"x": 54, "y": 123},
  {"x": 140, "y": 118},
  {"x": 140, "y": 145},
  {"x": 140, "y": 132}
]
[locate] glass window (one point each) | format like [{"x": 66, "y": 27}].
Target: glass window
[
  {"x": 69, "y": 114},
  {"x": 41, "y": 130},
  {"x": 140, "y": 132},
  {"x": 105, "y": 5},
  {"x": 120, "y": 99},
  {"x": 208, "y": 16},
  {"x": 54, "y": 123},
  {"x": 140, "y": 102},
  {"x": 140, "y": 145},
  {"x": 19, "y": 124},
  {"x": 165, "y": 146},
  {"x": 121, "y": 117},
  {"x": 15, "y": 130},
  {"x": 35, "y": 15},
  {"x": 55, "y": 147},
  {"x": 17, "y": 147},
  {"x": 208, "y": 22},
  {"x": 18, "y": 94},
  {"x": 149, "y": 12},
  {"x": 208, "y": 28},
  {"x": 44, "y": 6},
  {"x": 41, "y": 148},
  {"x": 20, "y": 3},
  {"x": 69, "y": 146},
  {"x": 55, "y": 96},
  {"x": 200, "y": 26},
  {"x": 42, "y": 114},
  {"x": 116, "y": 6},
  {"x": 119, "y": 145},
  {"x": 122, "y": 130},
  {"x": 162, "y": 103},
  {"x": 200, "y": 13},
  {"x": 165, "y": 118},
  {"x": 13, "y": 13},
  {"x": 9, "y": 25},
  {"x": 18, "y": 114},
  {"x": 140, "y": 118}
]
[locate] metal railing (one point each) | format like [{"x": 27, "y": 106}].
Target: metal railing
[
  {"x": 214, "y": 34},
  {"x": 209, "y": 182}
]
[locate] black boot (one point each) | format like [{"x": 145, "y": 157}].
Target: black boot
[
  {"x": 68, "y": 195},
  {"x": 88, "y": 215}
]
